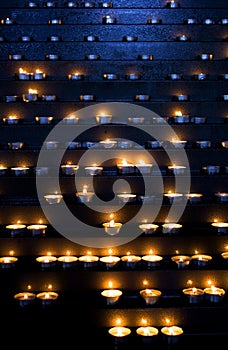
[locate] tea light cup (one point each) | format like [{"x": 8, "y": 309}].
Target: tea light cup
[
  {"x": 88, "y": 4},
  {"x": 221, "y": 197},
  {"x": 201, "y": 260},
  {"x": 55, "y": 21},
  {"x": 47, "y": 298},
  {"x": 109, "y": 20},
  {"x": 172, "y": 4},
  {"x": 152, "y": 260},
  {"x": 214, "y": 294},
  {"x": 37, "y": 229},
  {"x": 103, "y": 119},
  {"x": 183, "y": 37},
  {"x": 85, "y": 196},
  {"x": 131, "y": 261},
  {"x": 16, "y": 145},
  {"x": 145, "y": 57},
  {"x": 174, "y": 197},
  {"x": 181, "y": 119},
  {"x": 190, "y": 21},
  {"x": 154, "y": 20},
  {"x": 153, "y": 144},
  {"x": 206, "y": 56},
  {"x": 44, "y": 119},
  {"x": 16, "y": 57},
  {"x": 8, "y": 261},
  {"x": 222, "y": 227},
  {"x": 92, "y": 57},
  {"x": 52, "y": 57},
  {"x": 111, "y": 295},
  {"x": 172, "y": 333},
  {"x": 147, "y": 332},
  {"x": 208, "y": 21},
  {"x": 93, "y": 170},
  {"x": 73, "y": 145},
  {"x": 49, "y": 4},
  {"x": 194, "y": 198},
  {"x": 41, "y": 170},
  {"x": 67, "y": 261},
  {"x": 224, "y": 144},
  {"x": 51, "y": 145},
  {"x": 105, "y": 4},
  {"x": 198, "y": 120},
  {"x": 110, "y": 260},
  {"x": 203, "y": 144},
  {"x": 53, "y": 198},
  {"x": 107, "y": 144},
  {"x": 119, "y": 331},
  {"x": 125, "y": 144},
  {"x": 91, "y": 38},
  {"x": 181, "y": 97},
  {"x": 171, "y": 228},
  {"x": 31, "y": 4},
  {"x": 211, "y": 169},
  {"x": 20, "y": 170},
  {"x": 143, "y": 168},
  {"x": 71, "y": 4},
  {"x": 7, "y": 21},
  {"x": 3, "y": 170},
  {"x": 25, "y": 298},
  {"x": 87, "y": 98},
  {"x": 200, "y": 76},
  {"x": 76, "y": 76},
  {"x": 174, "y": 76},
  {"x": 136, "y": 120},
  {"x": 16, "y": 229},
  {"x": 38, "y": 75},
  {"x": 71, "y": 119},
  {"x": 46, "y": 261},
  {"x": 194, "y": 295},
  {"x": 126, "y": 197},
  {"x": 110, "y": 76},
  {"x": 31, "y": 96},
  {"x": 148, "y": 228},
  {"x": 182, "y": 261},
  {"x": 49, "y": 98},
  {"x": 223, "y": 21},
  {"x": 177, "y": 169},
  {"x": 178, "y": 143},
  {"x": 125, "y": 168},
  {"x": 112, "y": 228},
  {"x": 11, "y": 98},
  {"x": 69, "y": 169},
  {"x": 133, "y": 76},
  {"x": 88, "y": 260},
  {"x": 151, "y": 296},
  {"x": 142, "y": 97}
]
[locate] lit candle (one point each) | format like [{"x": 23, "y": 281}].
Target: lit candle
[
  {"x": 112, "y": 228},
  {"x": 25, "y": 298},
  {"x": 148, "y": 228},
  {"x": 89, "y": 260},
  {"x": 130, "y": 260},
  {"x": 222, "y": 227},
  {"x": 20, "y": 170},
  {"x": 126, "y": 197},
  {"x": 147, "y": 331},
  {"x": 119, "y": 331},
  {"x": 108, "y": 143},
  {"x": 108, "y": 20},
  {"x": 53, "y": 198},
  {"x": 47, "y": 297},
  {"x": 177, "y": 169},
  {"x": 44, "y": 119},
  {"x": 71, "y": 119},
  {"x": 151, "y": 259},
  {"x": 214, "y": 294},
  {"x": 85, "y": 196},
  {"x": 69, "y": 169},
  {"x": 171, "y": 227},
  {"x": 181, "y": 97},
  {"x": 23, "y": 75},
  {"x": 39, "y": 75},
  {"x": 93, "y": 170},
  {"x": 173, "y": 197},
  {"x": 193, "y": 294},
  {"x": 125, "y": 167},
  {"x": 47, "y": 261},
  {"x": 144, "y": 168},
  {"x": 221, "y": 197},
  {"x": 178, "y": 143},
  {"x": 142, "y": 97},
  {"x": 172, "y": 333},
  {"x": 151, "y": 296},
  {"x": 110, "y": 260},
  {"x": 174, "y": 76},
  {"x": 8, "y": 261},
  {"x": 103, "y": 118},
  {"x": 194, "y": 197},
  {"x": 180, "y": 118},
  {"x": 181, "y": 260},
  {"x": 183, "y": 37},
  {"x": 67, "y": 260},
  {"x": 16, "y": 229},
  {"x": 31, "y": 96},
  {"x": 3, "y": 170},
  {"x": 111, "y": 295},
  {"x": 172, "y": 4},
  {"x": 11, "y": 119},
  {"x": 201, "y": 260},
  {"x": 76, "y": 76},
  {"x": 37, "y": 229}
]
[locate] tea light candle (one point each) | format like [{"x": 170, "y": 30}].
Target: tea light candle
[
  {"x": 47, "y": 297},
  {"x": 211, "y": 169},
  {"x": 214, "y": 294},
  {"x": 7, "y": 21},
  {"x": 88, "y": 4},
  {"x": 46, "y": 261},
  {"x": 203, "y": 144},
  {"x": 31, "y": 4},
  {"x": 200, "y": 76},
  {"x": 25, "y": 298},
  {"x": 43, "y": 119},
  {"x": 224, "y": 255},
  {"x": 221, "y": 197},
  {"x": 133, "y": 76},
  {"x": 50, "y": 145},
  {"x": 119, "y": 331},
  {"x": 109, "y": 20},
  {"x": 172, "y": 4},
  {"x": 142, "y": 97},
  {"x": 23, "y": 75},
  {"x": 199, "y": 120},
  {"x": 37, "y": 229},
  {"x": 125, "y": 144},
  {"x": 206, "y": 56},
  {"x": 145, "y": 57},
  {"x": 76, "y": 76},
  {"x": 193, "y": 294},
  {"x": 3, "y": 170},
  {"x": 72, "y": 4},
  {"x": 55, "y": 21},
  {"x": 180, "y": 118},
  {"x": 222, "y": 227},
  {"x": 103, "y": 118},
  {"x": 16, "y": 57},
  {"x": 71, "y": 119},
  {"x": 53, "y": 198},
  {"x": 183, "y": 37},
  {"x": 178, "y": 143},
  {"x": 31, "y": 96},
  {"x": 69, "y": 169},
  {"x": 91, "y": 38},
  {"x": 87, "y": 98},
  {"x": 148, "y": 228},
  {"x": 39, "y": 75},
  {"x": 177, "y": 197},
  {"x": 89, "y": 260},
  {"x": 16, "y": 145},
  {"x": 154, "y": 20},
  {"x": 111, "y": 295},
  {"x": 153, "y": 144},
  {"x": 41, "y": 170},
  {"x": 92, "y": 57},
  {"x": 181, "y": 97},
  {"x": 52, "y": 57},
  {"x": 93, "y": 170},
  {"x": 54, "y": 38},
  {"x": 126, "y": 197},
  {"x": 201, "y": 260},
  {"x": 49, "y": 4},
  {"x": 224, "y": 144},
  {"x": 110, "y": 260},
  {"x": 136, "y": 120},
  {"x": 172, "y": 333},
  {"x": 49, "y": 97},
  {"x": 130, "y": 260},
  {"x": 67, "y": 260},
  {"x": 151, "y": 296},
  {"x": 110, "y": 76},
  {"x": 85, "y": 196},
  {"x": 108, "y": 143},
  {"x": 106, "y": 4},
  {"x": 112, "y": 228},
  {"x": 11, "y": 119},
  {"x": 25, "y": 38},
  {"x": 171, "y": 228},
  {"x": 194, "y": 197},
  {"x": 16, "y": 229},
  {"x": 208, "y": 21},
  {"x": 7, "y": 261},
  {"x": 177, "y": 169},
  {"x": 125, "y": 167},
  {"x": 20, "y": 170},
  {"x": 181, "y": 260},
  {"x": 152, "y": 260},
  {"x": 190, "y": 21},
  {"x": 223, "y": 21},
  {"x": 175, "y": 76},
  {"x": 147, "y": 331}
]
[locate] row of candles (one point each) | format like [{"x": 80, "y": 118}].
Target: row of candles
[
  {"x": 130, "y": 260},
  {"x": 38, "y": 74}
]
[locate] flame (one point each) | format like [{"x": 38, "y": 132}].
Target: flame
[
  {"x": 110, "y": 284},
  {"x": 178, "y": 113},
  {"x": 84, "y": 191}
]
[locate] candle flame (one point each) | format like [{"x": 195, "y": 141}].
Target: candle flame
[
  {"x": 49, "y": 286},
  {"x": 21, "y": 70},
  {"x": 11, "y": 252},
  {"x": 110, "y": 284},
  {"x": 29, "y": 287},
  {"x": 145, "y": 282},
  {"x": 144, "y": 322},
  {"x": 178, "y": 113},
  {"x": 118, "y": 321}
]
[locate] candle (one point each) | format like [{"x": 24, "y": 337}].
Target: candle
[
  {"x": 12, "y": 98},
  {"x": 85, "y": 196},
  {"x": 193, "y": 294},
  {"x": 89, "y": 260},
  {"x": 110, "y": 260},
  {"x": 190, "y": 21},
  {"x": 54, "y": 38},
  {"x": 172, "y": 4},
  {"x": 55, "y": 21},
  {"x": 151, "y": 296},
  {"x": 201, "y": 260},
  {"x": 142, "y": 97},
  {"x": 52, "y": 57},
  {"x": 108, "y": 143},
  {"x": 49, "y": 97},
  {"x": 71, "y": 119},
  {"x": 44, "y": 119},
  {"x": 31, "y": 4},
  {"x": 46, "y": 261},
  {"x": 25, "y": 298},
  {"x": 221, "y": 197},
  {"x": 20, "y": 170},
  {"x": 129, "y": 38},
  {"x": 171, "y": 227},
  {"x": 111, "y": 295},
  {"x": 7, "y": 261},
  {"x": 175, "y": 76},
  {"x": 180, "y": 118},
  {"x": 214, "y": 294},
  {"x": 11, "y": 119},
  {"x": 37, "y": 229},
  {"x": 49, "y": 4},
  {"x": 208, "y": 21},
  {"x": 148, "y": 228},
  {"x": 206, "y": 56},
  {"x": 178, "y": 143},
  {"x": 211, "y": 169},
  {"x": 130, "y": 260},
  {"x": 194, "y": 197},
  {"x": 91, "y": 38},
  {"x": 103, "y": 118},
  {"x": 16, "y": 57},
  {"x": 88, "y": 4},
  {"x": 154, "y": 21},
  {"x": 31, "y": 96},
  {"x": 105, "y": 4},
  {"x": 133, "y": 76},
  {"x": 200, "y": 76},
  {"x": 72, "y": 4},
  {"x": 7, "y": 21},
  {"x": 224, "y": 255},
  {"x": 145, "y": 57},
  {"x": 16, "y": 229},
  {"x": 76, "y": 76},
  {"x": 16, "y": 145},
  {"x": 53, "y": 198},
  {"x": 23, "y": 75},
  {"x": 67, "y": 261},
  {"x": 39, "y": 75},
  {"x": 47, "y": 297},
  {"x": 203, "y": 144},
  {"x": 3, "y": 170},
  {"x": 110, "y": 76},
  {"x": 222, "y": 227},
  {"x": 51, "y": 144},
  {"x": 147, "y": 331},
  {"x": 69, "y": 169},
  {"x": 181, "y": 97},
  {"x": 152, "y": 260},
  {"x": 173, "y": 197},
  {"x": 183, "y": 37},
  {"x": 126, "y": 197},
  {"x": 153, "y": 144},
  {"x": 41, "y": 170},
  {"x": 125, "y": 144},
  {"x": 109, "y": 20},
  {"x": 93, "y": 170},
  {"x": 125, "y": 167},
  {"x": 172, "y": 333},
  {"x": 136, "y": 120},
  {"x": 224, "y": 144},
  {"x": 119, "y": 331},
  {"x": 87, "y": 98},
  {"x": 177, "y": 169},
  {"x": 181, "y": 260},
  {"x": 112, "y": 228}
]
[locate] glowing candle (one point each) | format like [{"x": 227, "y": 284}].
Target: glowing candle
[
  {"x": 147, "y": 331},
  {"x": 108, "y": 143},
  {"x": 125, "y": 168},
  {"x": 136, "y": 120},
  {"x": 71, "y": 119},
  {"x": 172, "y": 333},
  {"x": 222, "y": 227},
  {"x": 47, "y": 297},
  {"x": 37, "y": 229},
  {"x": 144, "y": 168},
  {"x": 110, "y": 260},
  {"x": 76, "y": 76},
  {"x": 16, "y": 229},
  {"x": 151, "y": 259},
  {"x": 177, "y": 197},
  {"x": 89, "y": 260},
  {"x": 69, "y": 169},
  {"x": 11, "y": 119},
  {"x": 47, "y": 261},
  {"x": 53, "y": 198},
  {"x": 19, "y": 170},
  {"x": 23, "y": 75},
  {"x": 119, "y": 331},
  {"x": 111, "y": 295},
  {"x": 172, "y": 4},
  {"x": 130, "y": 260},
  {"x": 39, "y": 75},
  {"x": 126, "y": 197},
  {"x": 194, "y": 197},
  {"x": 93, "y": 170},
  {"x": 181, "y": 260},
  {"x": 193, "y": 294},
  {"x": 177, "y": 169},
  {"x": 31, "y": 96},
  {"x": 3, "y": 170},
  {"x": 148, "y": 228},
  {"x": 103, "y": 118},
  {"x": 151, "y": 296},
  {"x": 171, "y": 227},
  {"x": 201, "y": 260},
  {"x": 8, "y": 261},
  {"x": 112, "y": 227},
  {"x": 25, "y": 298},
  {"x": 67, "y": 260},
  {"x": 214, "y": 294},
  {"x": 85, "y": 196}
]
